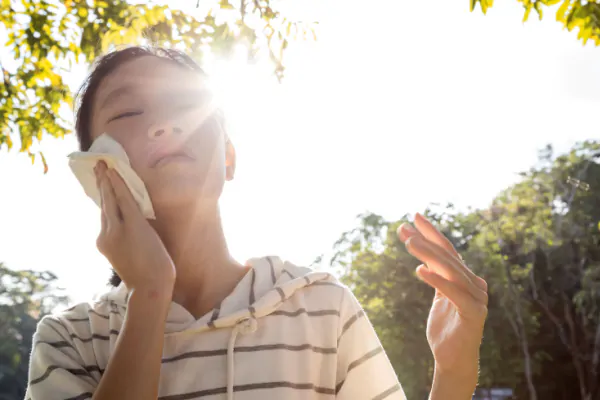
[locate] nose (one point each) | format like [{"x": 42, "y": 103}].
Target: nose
[{"x": 164, "y": 130}]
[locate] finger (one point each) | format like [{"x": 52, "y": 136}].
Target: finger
[
  {"x": 464, "y": 302},
  {"x": 103, "y": 221},
  {"x": 109, "y": 201},
  {"x": 124, "y": 198},
  {"x": 442, "y": 263},
  {"x": 439, "y": 263},
  {"x": 429, "y": 231},
  {"x": 405, "y": 231}
]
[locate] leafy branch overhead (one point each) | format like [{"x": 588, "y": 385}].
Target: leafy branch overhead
[
  {"x": 47, "y": 37},
  {"x": 584, "y": 15}
]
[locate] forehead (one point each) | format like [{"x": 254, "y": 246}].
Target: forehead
[{"x": 150, "y": 74}]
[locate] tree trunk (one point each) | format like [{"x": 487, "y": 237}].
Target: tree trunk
[{"x": 519, "y": 326}]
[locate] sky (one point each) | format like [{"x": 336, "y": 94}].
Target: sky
[{"x": 396, "y": 106}]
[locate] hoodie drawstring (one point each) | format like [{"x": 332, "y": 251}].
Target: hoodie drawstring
[{"x": 243, "y": 326}]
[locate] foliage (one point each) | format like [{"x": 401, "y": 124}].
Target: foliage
[
  {"x": 25, "y": 296},
  {"x": 536, "y": 245},
  {"x": 572, "y": 14},
  {"x": 47, "y": 36}
]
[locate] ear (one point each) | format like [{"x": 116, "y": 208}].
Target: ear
[{"x": 229, "y": 160}]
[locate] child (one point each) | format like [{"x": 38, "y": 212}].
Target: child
[{"x": 184, "y": 319}]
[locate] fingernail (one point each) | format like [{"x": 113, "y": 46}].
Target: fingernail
[{"x": 408, "y": 228}]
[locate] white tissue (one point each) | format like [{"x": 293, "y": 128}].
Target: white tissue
[{"x": 107, "y": 149}]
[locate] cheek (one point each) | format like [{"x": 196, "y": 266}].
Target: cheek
[{"x": 134, "y": 141}]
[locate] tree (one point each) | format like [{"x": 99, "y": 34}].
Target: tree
[
  {"x": 584, "y": 15},
  {"x": 47, "y": 36},
  {"x": 537, "y": 245},
  {"x": 25, "y": 296}
]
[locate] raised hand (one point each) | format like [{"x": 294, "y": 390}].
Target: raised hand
[{"x": 457, "y": 316}]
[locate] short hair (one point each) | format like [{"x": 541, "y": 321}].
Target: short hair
[{"x": 104, "y": 66}]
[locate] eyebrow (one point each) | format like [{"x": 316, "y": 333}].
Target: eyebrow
[{"x": 123, "y": 90}]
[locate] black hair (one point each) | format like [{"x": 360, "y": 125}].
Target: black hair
[{"x": 101, "y": 68}]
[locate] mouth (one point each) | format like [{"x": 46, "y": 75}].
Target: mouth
[{"x": 173, "y": 156}]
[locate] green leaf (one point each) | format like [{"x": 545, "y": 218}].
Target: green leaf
[
  {"x": 225, "y": 5},
  {"x": 527, "y": 12},
  {"x": 560, "y": 13},
  {"x": 44, "y": 162},
  {"x": 538, "y": 8}
]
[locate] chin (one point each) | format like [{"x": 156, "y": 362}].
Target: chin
[{"x": 180, "y": 190}]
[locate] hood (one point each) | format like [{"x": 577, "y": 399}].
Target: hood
[
  {"x": 265, "y": 287},
  {"x": 268, "y": 283}
]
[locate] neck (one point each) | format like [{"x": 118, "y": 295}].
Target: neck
[{"x": 206, "y": 272}]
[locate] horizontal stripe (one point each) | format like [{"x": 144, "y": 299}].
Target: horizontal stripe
[
  {"x": 385, "y": 394},
  {"x": 251, "y": 349},
  {"x": 356, "y": 363},
  {"x": 64, "y": 344},
  {"x": 86, "y": 319},
  {"x": 301, "y": 347},
  {"x": 71, "y": 308},
  {"x": 364, "y": 358},
  {"x": 285, "y": 271},
  {"x": 349, "y": 323},
  {"x": 91, "y": 311},
  {"x": 95, "y": 336},
  {"x": 82, "y": 396},
  {"x": 250, "y": 386},
  {"x": 74, "y": 371},
  {"x": 281, "y": 293},
  {"x": 56, "y": 345},
  {"x": 317, "y": 313},
  {"x": 325, "y": 283}
]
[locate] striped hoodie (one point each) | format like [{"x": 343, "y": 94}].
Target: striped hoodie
[{"x": 285, "y": 332}]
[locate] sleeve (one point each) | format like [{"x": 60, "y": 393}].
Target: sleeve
[
  {"x": 364, "y": 370},
  {"x": 56, "y": 368}
]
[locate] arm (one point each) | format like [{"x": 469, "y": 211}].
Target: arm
[
  {"x": 136, "y": 252},
  {"x": 138, "y": 255},
  {"x": 133, "y": 370},
  {"x": 364, "y": 370},
  {"x": 447, "y": 386}
]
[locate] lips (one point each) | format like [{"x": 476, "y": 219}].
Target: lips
[{"x": 164, "y": 154}]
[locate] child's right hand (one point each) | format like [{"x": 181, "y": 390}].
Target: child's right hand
[{"x": 129, "y": 242}]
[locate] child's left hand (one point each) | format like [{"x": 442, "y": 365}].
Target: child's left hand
[{"x": 457, "y": 316}]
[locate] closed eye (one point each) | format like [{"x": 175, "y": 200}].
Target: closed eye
[{"x": 126, "y": 115}]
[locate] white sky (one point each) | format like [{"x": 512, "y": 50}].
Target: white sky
[{"x": 397, "y": 105}]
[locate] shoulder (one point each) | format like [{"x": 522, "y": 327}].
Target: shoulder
[
  {"x": 77, "y": 318},
  {"x": 326, "y": 290}
]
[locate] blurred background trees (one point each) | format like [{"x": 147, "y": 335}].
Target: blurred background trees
[
  {"x": 25, "y": 297},
  {"x": 536, "y": 245}
]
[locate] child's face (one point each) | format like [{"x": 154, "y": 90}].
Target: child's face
[{"x": 160, "y": 113}]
